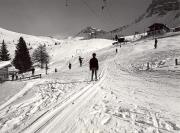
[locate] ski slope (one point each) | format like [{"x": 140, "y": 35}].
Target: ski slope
[
  {"x": 11, "y": 39},
  {"x": 127, "y": 98}
]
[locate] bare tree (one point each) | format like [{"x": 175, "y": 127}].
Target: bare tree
[{"x": 40, "y": 55}]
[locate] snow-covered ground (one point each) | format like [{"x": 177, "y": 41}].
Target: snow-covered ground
[
  {"x": 127, "y": 98},
  {"x": 11, "y": 39}
]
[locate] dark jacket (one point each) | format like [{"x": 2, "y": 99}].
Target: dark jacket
[
  {"x": 80, "y": 59},
  {"x": 156, "y": 41},
  {"x": 93, "y": 64}
]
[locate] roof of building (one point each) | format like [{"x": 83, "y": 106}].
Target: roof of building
[
  {"x": 4, "y": 64},
  {"x": 157, "y": 24}
]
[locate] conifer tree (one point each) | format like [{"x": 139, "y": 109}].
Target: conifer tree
[
  {"x": 22, "y": 60},
  {"x": 4, "y": 53}
]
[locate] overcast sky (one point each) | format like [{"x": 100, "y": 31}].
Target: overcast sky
[{"x": 53, "y": 17}]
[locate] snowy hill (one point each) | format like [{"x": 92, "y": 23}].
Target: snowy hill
[
  {"x": 90, "y": 32},
  {"x": 71, "y": 49},
  {"x": 11, "y": 38},
  {"x": 127, "y": 98},
  {"x": 159, "y": 11},
  {"x": 59, "y": 50}
]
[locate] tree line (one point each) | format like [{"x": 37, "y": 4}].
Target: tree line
[{"x": 22, "y": 59}]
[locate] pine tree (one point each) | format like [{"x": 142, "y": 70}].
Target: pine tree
[
  {"x": 22, "y": 60},
  {"x": 4, "y": 53},
  {"x": 40, "y": 55}
]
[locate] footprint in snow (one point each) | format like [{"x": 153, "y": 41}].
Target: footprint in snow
[{"x": 106, "y": 120}]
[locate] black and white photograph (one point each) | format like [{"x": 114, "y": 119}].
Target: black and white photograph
[{"x": 89, "y": 66}]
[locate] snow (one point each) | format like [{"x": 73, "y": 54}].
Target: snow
[
  {"x": 127, "y": 98},
  {"x": 11, "y": 39},
  {"x": 4, "y": 64}
]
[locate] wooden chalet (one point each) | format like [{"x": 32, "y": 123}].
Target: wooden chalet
[{"x": 157, "y": 29}]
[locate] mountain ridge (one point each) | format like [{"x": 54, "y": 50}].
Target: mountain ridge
[
  {"x": 90, "y": 32},
  {"x": 159, "y": 11}
]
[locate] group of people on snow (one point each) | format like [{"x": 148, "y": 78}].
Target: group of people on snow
[
  {"x": 16, "y": 76},
  {"x": 93, "y": 65}
]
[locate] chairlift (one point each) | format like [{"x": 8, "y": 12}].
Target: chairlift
[
  {"x": 104, "y": 4},
  {"x": 67, "y": 3},
  {"x": 102, "y": 8}
]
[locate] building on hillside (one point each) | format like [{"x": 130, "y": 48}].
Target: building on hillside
[
  {"x": 157, "y": 29},
  {"x": 4, "y": 73},
  {"x": 177, "y": 29}
]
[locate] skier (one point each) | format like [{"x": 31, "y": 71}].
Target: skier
[
  {"x": 116, "y": 37},
  {"x": 155, "y": 43},
  {"x": 116, "y": 50},
  {"x": 16, "y": 76},
  {"x": 13, "y": 77},
  {"x": 69, "y": 66},
  {"x": 80, "y": 61},
  {"x": 33, "y": 70},
  {"x": 94, "y": 66}
]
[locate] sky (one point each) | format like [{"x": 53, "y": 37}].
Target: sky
[{"x": 54, "y": 18}]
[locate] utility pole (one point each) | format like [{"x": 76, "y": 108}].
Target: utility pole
[
  {"x": 46, "y": 68},
  {"x": 154, "y": 31}
]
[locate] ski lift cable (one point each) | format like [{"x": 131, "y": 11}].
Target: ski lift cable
[
  {"x": 92, "y": 11},
  {"x": 108, "y": 11},
  {"x": 86, "y": 4},
  {"x": 66, "y": 3}
]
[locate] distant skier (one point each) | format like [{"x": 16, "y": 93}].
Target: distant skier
[
  {"x": 33, "y": 70},
  {"x": 69, "y": 65},
  {"x": 116, "y": 50},
  {"x": 94, "y": 66},
  {"x": 80, "y": 61},
  {"x": 155, "y": 43},
  {"x": 16, "y": 76},
  {"x": 13, "y": 77},
  {"x": 116, "y": 37}
]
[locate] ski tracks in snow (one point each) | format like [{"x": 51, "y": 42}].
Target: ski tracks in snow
[
  {"x": 61, "y": 117},
  {"x": 118, "y": 108},
  {"x": 34, "y": 102}
]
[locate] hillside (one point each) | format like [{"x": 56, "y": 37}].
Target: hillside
[
  {"x": 90, "y": 32},
  {"x": 11, "y": 38},
  {"x": 127, "y": 98},
  {"x": 159, "y": 11}
]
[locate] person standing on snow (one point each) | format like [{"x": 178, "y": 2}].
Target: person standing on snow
[
  {"x": 94, "y": 66},
  {"x": 13, "y": 77},
  {"x": 116, "y": 50},
  {"x": 80, "y": 61},
  {"x": 69, "y": 65},
  {"x": 33, "y": 70},
  {"x": 155, "y": 43},
  {"x": 116, "y": 38}
]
